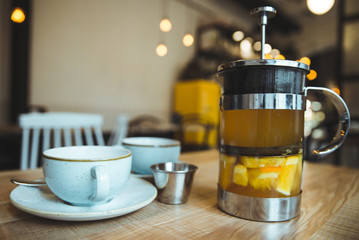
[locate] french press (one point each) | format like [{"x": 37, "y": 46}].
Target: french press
[{"x": 261, "y": 134}]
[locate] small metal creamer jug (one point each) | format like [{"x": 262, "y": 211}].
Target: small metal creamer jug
[{"x": 261, "y": 134}]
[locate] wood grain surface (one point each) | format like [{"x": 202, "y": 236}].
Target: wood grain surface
[{"x": 330, "y": 210}]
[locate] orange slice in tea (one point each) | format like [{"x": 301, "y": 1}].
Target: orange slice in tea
[
  {"x": 250, "y": 162},
  {"x": 226, "y": 165},
  {"x": 262, "y": 180},
  {"x": 286, "y": 178},
  {"x": 256, "y": 162},
  {"x": 271, "y": 169},
  {"x": 292, "y": 160},
  {"x": 297, "y": 182},
  {"x": 272, "y": 161},
  {"x": 240, "y": 175}
]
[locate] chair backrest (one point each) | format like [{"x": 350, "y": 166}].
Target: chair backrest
[
  {"x": 63, "y": 127},
  {"x": 119, "y": 132}
]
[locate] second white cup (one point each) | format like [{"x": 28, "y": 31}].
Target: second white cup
[{"x": 150, "y": 150}]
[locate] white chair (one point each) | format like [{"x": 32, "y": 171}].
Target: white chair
[
  {"x": 119, "y": 132},
  {"x": 63, "y": 127}
]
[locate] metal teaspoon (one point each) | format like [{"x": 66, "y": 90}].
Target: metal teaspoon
[{"x": 28, "y": 183}]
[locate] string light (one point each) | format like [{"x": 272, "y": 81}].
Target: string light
[
  {"x": 161, "y": 50},
  {"x": 18, "y": 15},
  {"x": 320, "y": 7},
  {"x": 165, "y": 25},
  {"x": 188, "y": 40}
]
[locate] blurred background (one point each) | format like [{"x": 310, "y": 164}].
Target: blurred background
[{"x": 113, "y": 57}]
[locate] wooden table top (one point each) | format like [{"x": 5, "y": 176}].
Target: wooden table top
[{"x": 330, "y": 210}]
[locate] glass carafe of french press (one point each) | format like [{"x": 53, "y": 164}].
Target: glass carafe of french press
[{"x": 261, "y": 134}]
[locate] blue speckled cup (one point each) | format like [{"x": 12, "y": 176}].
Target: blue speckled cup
[
  {"x": 150, "y": 150},
  {"x": 87, "y": 175}
]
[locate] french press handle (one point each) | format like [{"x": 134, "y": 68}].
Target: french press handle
[{"x": 344, "y": 120}]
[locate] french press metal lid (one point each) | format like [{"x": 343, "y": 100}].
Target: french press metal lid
[{"x": 263, "y": 83}]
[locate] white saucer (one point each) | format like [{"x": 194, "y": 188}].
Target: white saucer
[{"x": 40, "y": 201}]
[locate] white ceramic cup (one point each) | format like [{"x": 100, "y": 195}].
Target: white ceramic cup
[
  {"x": 147, "y": 151},
  {"x": 87, "y": 175}
]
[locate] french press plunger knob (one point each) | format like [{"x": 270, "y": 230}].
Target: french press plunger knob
[{"x": 263, "y": 13}]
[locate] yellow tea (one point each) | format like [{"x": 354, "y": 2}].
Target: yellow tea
[
  {"x": 262, "y": 127},
  {"x": 261, "y": 152}
]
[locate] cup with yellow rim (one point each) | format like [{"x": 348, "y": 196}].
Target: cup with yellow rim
[{"x": 87, "y": 175}]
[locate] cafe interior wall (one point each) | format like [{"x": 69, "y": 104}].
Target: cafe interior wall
[{"x": 99, "y": 56}]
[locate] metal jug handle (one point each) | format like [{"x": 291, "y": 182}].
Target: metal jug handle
[{"x": 344, "y": 120}]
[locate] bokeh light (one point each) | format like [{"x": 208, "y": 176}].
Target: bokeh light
[
  {"x": 188, "y": 40},
  {"x": 246, "y": 45},
  {"x": 165, "y": 25},
  {"x": 267, "y": 48},
  {"x": 320, "y": 116},
  {"x": 320, "y": 7},
  {"x": 336, "y": 90},
  {"x": 257, "y": 46},
  {"x": 161, "y": 50},
  {"x": 312, "y": 75},
  {"x": 275, "y": 53},
  {"x": 316, "y": 106},
  {"x": 280, "y": 57},
  {"x": 18, "y": 15},
  {"x": 268, "y": 56},
  {"x": 238, "y": 36},
  {"x": 305, "y": 60}
]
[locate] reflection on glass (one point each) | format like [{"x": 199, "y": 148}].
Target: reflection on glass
[{"x": 316, "y": 106}]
